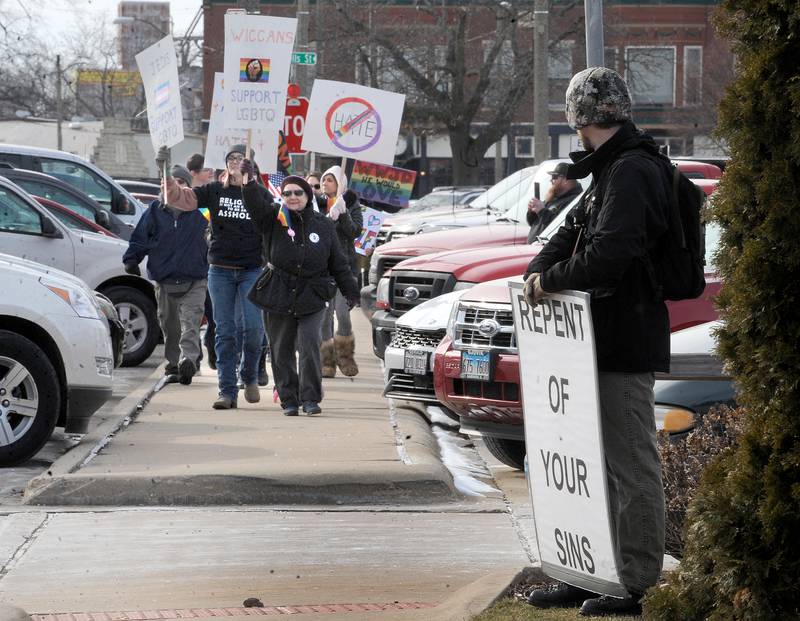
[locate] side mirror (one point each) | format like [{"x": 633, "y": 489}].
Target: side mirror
[
  {"x": 50, "y": 230},
  {"x": 102, "y": 218}
]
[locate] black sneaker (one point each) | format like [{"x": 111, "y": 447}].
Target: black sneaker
[
  {"x": 186, "y": 371},
  {"x": 171, "y": 378},
  {"x": 607, "y": 606},
  {"x": 309, "y": 407},
  {"x": 559, "y": 595},
  {"x": 290, "y": 410}
]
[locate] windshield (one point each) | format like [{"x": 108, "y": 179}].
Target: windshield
[
  {"x": 439, "y": 199},
  {"x": 506, "y": 192}
]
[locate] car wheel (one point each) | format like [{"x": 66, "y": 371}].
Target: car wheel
[
  {"x": 137, "y": 313},
  {"x": 510, "y": 452},
  {"x": 29, "y": 398}
]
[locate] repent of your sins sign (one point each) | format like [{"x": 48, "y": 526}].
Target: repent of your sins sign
[{"x": 566, "y": 473}]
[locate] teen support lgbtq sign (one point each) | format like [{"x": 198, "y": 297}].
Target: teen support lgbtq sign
[
  {"x": 385, "y": 184},
  {"x": 220, "y": 138},
  {"x": 258, "y": 53},
  {"x": 564, "y": 440},
  {"x": 353, "y": 121},
  {"x": 159, "y": 68}
]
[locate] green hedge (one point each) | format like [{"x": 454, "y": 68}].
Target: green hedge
[{"x": 742, "y": 555}]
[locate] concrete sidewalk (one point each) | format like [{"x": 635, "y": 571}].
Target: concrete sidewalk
[{"x": 179, "y": 451}]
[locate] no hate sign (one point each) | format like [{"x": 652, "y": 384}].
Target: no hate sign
[{"x": 563, "y": 438}]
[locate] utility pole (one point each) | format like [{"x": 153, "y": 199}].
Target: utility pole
[
  {"x": 302, "y": 71},
  {"x": 59, "y": 111},
  {"x": 541, "y": 86},
  {"x": 594, "y": 33}
]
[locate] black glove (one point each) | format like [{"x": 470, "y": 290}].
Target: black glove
[
  {"x": 247, "y": 168},
  {"x": 132, "y": 268},
  {"x": 162, "y": 161},
  {"x": 353, "y": 302}
]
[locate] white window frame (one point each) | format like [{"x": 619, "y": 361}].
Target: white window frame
[
  {"x": 686, "y": 49},
  {"x": 674, "y": 49}
]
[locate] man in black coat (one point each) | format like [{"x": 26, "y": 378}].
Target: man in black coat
[
  {"x": 561, "y": 193},
  {"x": 603, "y": 249}
]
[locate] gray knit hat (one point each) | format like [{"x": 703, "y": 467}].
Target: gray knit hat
[
  {"x": 597, "y": 95},
  {"x": 182, "y": 173}
]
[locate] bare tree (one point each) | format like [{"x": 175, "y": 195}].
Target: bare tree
[{"x": 468, "y": 69}]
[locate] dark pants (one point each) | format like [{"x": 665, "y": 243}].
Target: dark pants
[
  {"x": 288, "y": 334},
  {"x": 633, "y": 471}
]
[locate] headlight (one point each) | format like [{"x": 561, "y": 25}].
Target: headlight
[
  {"x": 463, "y": 284},
  {"x": 674, "y": 419},
  {"x": 373, "y": 271},
  {"x": 382, "y": 294},
  {"x": 82, "y": 303},
  {"x": 105, "y": 366},
  {"x": 451, "y": 322}
]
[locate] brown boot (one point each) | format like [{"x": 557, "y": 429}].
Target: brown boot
[
  {"x": 328, "y": 353},
  {"x": 345, "y": 349}
]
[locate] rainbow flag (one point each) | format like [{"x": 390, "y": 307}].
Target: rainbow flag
[
  {"x": 254, "y": 69},
  {"x": 206, "y": 213},
  {"x": 383, "y": 184},
  {"x": 285, "y": 217}
]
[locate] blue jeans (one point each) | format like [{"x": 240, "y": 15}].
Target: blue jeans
[{"x": 228, "y": 289}]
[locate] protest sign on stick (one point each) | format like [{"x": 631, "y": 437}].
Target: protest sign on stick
[
  {"x": 159, "y": 68},
  {"x": 384, "y": 184}
]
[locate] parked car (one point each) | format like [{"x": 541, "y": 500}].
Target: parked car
[
  {"x": 79, "y": 173},
  {"x": 115, "y": 328},
  {"x": 139, "y": 187},
  {"x": 696, "y": 381},
  {"x": 445, "y": 197},
  {"x": 72, "y": 219},
  {"x": 56, "y": 360},
  {"x": 28, "y": 232},
  {"x": 409, "y": 356},
  {"x": 47, "y": 186}
]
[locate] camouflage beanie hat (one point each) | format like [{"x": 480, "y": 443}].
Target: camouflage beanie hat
[{"x": 597, "y": 95}]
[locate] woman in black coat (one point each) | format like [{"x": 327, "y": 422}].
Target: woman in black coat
[{"x": 305, "y": 266}]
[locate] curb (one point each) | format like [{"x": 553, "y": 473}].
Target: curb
[
  {"x": 423, "y": 476},
  {"x": 74, "y": 459},
  {"x": 12, "y": 613}
]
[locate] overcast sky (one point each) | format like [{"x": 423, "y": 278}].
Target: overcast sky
[{"x": 60, "y": 16}]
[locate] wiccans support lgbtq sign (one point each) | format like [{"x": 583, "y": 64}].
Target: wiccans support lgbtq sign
[
  {"x": 385, "y": 184},
  {"x": 258, "y": 54}
]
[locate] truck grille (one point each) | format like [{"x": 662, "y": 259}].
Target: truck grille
[
  {"x": 411, "y": 387},
  {"x": 406, "y": 338},
  {"x": 412, "y": 288},
  {"x": 385, "y": 263},
  {"x": 472, "y": 315}
]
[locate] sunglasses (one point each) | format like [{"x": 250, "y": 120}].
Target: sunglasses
[
  {"x": 288, "y": 193},
  {"x": 315, "y": 186},
  {"x": 235, "y": 158}
]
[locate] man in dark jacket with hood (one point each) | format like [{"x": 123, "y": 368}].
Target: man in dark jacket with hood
[
  {"x": 174, "y": 242},
  {"x": 560, "y": 194},
  {"x": 603, "y": 249}
]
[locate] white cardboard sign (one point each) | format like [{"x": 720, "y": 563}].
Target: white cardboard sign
[
  {"x": 258, "y": 55},
  {"x": 354, "y": 121},
  {"x": 220, "y": 139},
  {"x": 563, "y": 437},
  {"x": 159, "y": 68},
  {"x": 373, "y": 219}
]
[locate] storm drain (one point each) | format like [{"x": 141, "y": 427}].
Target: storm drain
[{"x": 198, "y": 613}]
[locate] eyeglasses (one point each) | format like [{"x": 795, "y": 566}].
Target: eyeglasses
[
  {"x": 315, "y": 186},
  {"x": 235, "y": 158},
  {"x": 288, "y": 193},
  {"x": 554, "y": 178}
]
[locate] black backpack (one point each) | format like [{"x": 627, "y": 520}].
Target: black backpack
[{"x": 677, "y": 265}]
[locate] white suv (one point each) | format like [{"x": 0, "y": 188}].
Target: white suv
[
  {"x": 56, "y": 361},
  {"x": 27, "y": 231}
]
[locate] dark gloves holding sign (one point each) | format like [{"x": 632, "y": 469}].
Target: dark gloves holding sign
[{"x": 248, "y": 170}]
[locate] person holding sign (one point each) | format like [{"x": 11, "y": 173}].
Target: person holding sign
[
  {"x": 342, "y": 206},
  {"x": 235, "y": 259},
  {"x": 305, "y": 266},
  {"x": 603, "y": 249}
]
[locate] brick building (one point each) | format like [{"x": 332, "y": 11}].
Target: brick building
[{"x": 668, "y": 51}]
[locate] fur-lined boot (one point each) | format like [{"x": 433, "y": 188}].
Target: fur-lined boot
[
  {"x": 328, "y": 355},
  {"x": 345, "y": 351}
]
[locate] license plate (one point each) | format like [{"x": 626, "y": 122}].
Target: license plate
[
  {"x": 415, "y": 361},
  {"x": 476, "y": 365}
]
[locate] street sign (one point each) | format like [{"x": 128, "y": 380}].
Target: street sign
[
  {"x": 294, "y": 123},
  {"x": 304, "y": 58}
]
